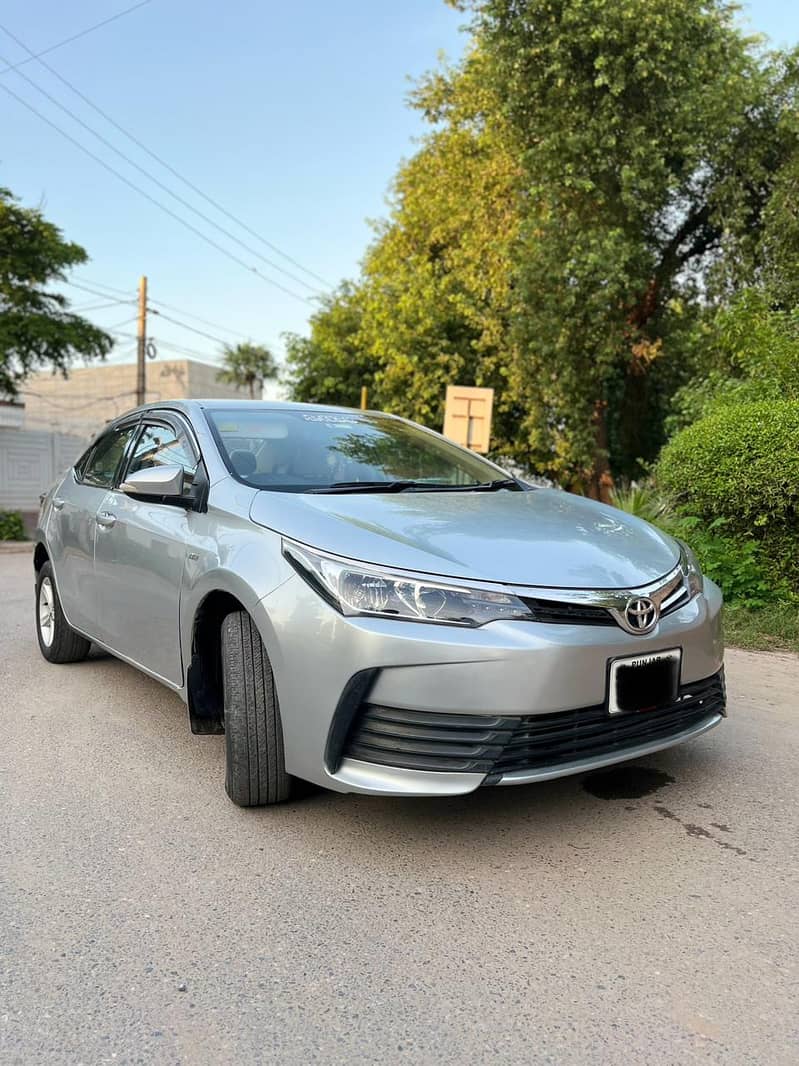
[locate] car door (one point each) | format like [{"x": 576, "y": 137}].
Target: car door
[
  {"x": 72, "y": 523},
  {"x": 140, "y": 553}
]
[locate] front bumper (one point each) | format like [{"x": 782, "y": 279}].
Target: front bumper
[{"x": 507, "y": 669}]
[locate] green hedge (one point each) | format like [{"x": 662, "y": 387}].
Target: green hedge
[
  {"x": 11, "y": 527},
  {"x": 741, "y": 464}
]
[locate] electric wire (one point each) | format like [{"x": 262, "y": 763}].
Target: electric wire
[
  {"x": 170, "y": 307},
  {"x": 81, "y": 309},
  {"x": 181, "y": 177},
  {"x": 75, "y": 36},
  {"x": 146, "y": 173},
  {"x": 183, "y": 325},
  {"x": 205, "y": 321},
  {"x": 94, "y": 292},
  {"x": 167, "y": 210},
  {"x": 102, "y": 285}
]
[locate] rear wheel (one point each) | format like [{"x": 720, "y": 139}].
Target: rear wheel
[
  {"x": 58, "y": 641},
  {"x": 255, "y": 767}
]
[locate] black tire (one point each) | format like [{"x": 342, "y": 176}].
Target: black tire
[
  {"x": 65, "y": 645},
  {"x": 255, "y": 768}
]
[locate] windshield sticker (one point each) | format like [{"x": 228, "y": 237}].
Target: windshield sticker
[{"x": 335, "y": 420}]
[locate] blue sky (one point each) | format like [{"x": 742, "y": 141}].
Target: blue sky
[{"x": 291, "y": 116}]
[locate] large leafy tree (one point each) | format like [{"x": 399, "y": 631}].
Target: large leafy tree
[
  {"x": 651, "y": 137},
  {"x": 597, "y": 181},
  {"x": 433, "y": 303},
  {"x": 247, "y": 366},
  {"x": 36, "y": 327},
  {"x": 331, "y": 365},
  {"x": 438, "y": 293}
]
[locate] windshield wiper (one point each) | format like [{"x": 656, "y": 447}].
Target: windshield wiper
[
  {"x": 416, "y": 486},
  {"x": 494, "y": 486},
  {"x": 379, "y": 486}
]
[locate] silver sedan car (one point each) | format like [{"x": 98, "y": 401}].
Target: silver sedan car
[{"x": 357, "y": 602}]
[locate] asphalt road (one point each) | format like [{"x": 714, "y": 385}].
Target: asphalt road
[{"x": 145, "y": 919}]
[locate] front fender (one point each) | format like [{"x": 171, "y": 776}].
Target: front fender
[{"x": 245, "y": 563}]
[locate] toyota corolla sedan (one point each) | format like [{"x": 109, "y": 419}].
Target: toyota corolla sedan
[{"x": 355, "y": 601}]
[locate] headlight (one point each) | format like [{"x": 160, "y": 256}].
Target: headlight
[
  {"x": 692, "y": 571},
  {"x": 354, "y": 588}
]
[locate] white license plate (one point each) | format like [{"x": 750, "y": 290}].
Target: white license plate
[{"x": 640, "y": 683}]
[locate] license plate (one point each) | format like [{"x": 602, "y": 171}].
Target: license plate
[{"x": 644, "y": 682}]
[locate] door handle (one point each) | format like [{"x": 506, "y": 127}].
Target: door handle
[
  {"x": 105, "y": 519},
  {"x": 58, "y": 502}
]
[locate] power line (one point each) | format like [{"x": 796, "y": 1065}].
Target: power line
[
  {"x": 205, "y": 321},
  {"x": 132, "y": 162},
  {"x": 102, "y": 285},
  {"x": 82, "y": 308},
  {"x": 169, "y": 307},
  {"x": 116, "y": 325},
  {"x": 85, "y": 288},
  {"x": 191, "y": 329},
  {"x": 172, "y": 170},
  {"x": 188, "y": 225},
  {"x": 161, "y": 303},
  {"x": 181, "y": 350},
  {"x": 75, "y": 36}
]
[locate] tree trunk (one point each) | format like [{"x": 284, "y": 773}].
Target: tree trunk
[
  {"x": 252, "y": 388},
  {"x": 600, "y": 482}
]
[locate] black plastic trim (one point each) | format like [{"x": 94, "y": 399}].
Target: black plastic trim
[
  {"x": 501, "y": 744},
  {"x": 355, "y": 692}
]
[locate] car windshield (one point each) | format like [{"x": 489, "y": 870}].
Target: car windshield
[{"x": 309, "y": 451}]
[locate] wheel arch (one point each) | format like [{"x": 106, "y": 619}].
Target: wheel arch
[
  {"x": 40, "y": 556},
  {"x": 204, "y": 693}
]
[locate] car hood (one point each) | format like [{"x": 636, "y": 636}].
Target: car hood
[{"x": 545, "y": 537}]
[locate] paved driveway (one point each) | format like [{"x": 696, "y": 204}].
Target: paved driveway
[{"x": 643, "y": 916}]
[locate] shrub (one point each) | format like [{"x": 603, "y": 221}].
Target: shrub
[
  {"x": 11, "y": 527},
  {"x": 640, "y": 499},
  {"x": 741, "y": 464}
]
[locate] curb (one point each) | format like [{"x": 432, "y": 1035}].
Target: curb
[{"x": 9, "y": 547}]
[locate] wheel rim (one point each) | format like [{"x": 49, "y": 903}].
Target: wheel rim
[{"x": 46, "y": 612}]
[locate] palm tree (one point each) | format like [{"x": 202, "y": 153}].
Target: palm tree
[{"x": 247, "y": 366}]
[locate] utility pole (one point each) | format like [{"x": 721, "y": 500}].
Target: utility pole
[{"x": 141, "y": 351}]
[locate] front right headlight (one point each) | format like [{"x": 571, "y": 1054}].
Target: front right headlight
[
  {"x": 356, "y": 588},
  {"x": 692, "y": 571}
]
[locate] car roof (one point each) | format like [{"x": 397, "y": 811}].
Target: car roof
[{"x": 193, "y": 406}]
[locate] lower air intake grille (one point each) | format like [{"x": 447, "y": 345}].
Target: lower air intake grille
[{"x": 430, "y": 740}]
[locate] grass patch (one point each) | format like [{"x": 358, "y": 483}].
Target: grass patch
[{"x": 771, "y": 628}]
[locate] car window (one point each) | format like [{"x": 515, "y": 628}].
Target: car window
[
  {"x": 100, "y": 467},
  {"x": 162, "y": 445},
  {"x": 297, "y": 450}
]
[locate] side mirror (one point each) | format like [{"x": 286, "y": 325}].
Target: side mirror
[{"x": 155, "y": 481}]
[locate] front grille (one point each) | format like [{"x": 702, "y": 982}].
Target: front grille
[
  {"x": 560, "y": 612},
  {"x": 568, "y": 613},
  {"x": 495, "y": 745}
]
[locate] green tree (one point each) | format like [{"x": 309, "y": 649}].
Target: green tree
[
  {"x": 36, "y": 327},
  {"x": 433, "y": 303},
  {"x": 652, "y": 134},
  {"x": 438, "y": 293},
  {"x": 247, "y": 366},
  {"x": 331, "y": 364}
]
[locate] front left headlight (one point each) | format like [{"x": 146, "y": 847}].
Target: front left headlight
[{"x": 358, "y": 589}]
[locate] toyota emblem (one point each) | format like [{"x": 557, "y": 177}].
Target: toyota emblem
[{"x": 641, "y": 614}]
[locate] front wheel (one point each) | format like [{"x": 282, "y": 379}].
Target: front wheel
[
  {"x": 58, "y": 641},
  {"x": 255, "y": 768}
]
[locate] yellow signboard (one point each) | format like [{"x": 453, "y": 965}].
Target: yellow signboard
[{"x": 467, "y": 416}]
